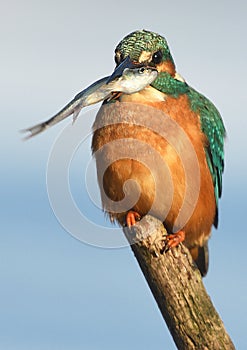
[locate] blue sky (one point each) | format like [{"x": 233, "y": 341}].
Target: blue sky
[{"x": 56, "y": 292}]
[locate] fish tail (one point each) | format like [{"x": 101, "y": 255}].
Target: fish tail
[
  {"x": 34, "y": 130},
  {"x": 69, "y": 109}
]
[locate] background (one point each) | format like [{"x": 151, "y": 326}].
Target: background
[{"x": 56, "y": 292}]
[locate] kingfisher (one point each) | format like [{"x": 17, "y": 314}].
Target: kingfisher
[{"x": 167, "y": 101}]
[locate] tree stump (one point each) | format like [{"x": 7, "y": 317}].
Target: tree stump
[{"x": 177, "y": 287}]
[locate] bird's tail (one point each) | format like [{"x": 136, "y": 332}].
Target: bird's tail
[{"x": 201, "y": 258}]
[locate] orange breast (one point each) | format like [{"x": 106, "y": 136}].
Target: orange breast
[{"x": 150, "y": 158}]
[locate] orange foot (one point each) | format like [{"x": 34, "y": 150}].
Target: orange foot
[
  {"x": 173, "y": 240},
  {"x": 131, "y": 218}
]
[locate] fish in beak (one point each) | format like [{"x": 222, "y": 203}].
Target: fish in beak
[{"x": 126, "y": 78}]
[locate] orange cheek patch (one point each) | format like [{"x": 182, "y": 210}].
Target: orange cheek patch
[{"x": 166, "y": 66}]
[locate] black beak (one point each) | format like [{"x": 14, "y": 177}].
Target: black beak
[{"x": 127, "y": 63}]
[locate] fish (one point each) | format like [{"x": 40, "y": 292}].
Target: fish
[{"x": 131, "y": 81}]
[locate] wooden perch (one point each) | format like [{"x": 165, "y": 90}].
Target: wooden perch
[{"x": 177, "y": 287}]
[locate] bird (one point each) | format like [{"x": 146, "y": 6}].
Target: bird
[{"x": 166, "y": 125}]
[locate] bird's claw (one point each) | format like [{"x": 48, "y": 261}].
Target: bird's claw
[
  {"x": 132, "y": 217},
  {"x": 173, "y": 240}
]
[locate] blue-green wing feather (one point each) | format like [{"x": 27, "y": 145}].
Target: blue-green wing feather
[{"x": 213, "y": 127}]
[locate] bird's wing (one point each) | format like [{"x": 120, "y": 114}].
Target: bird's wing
[{"x": 213, "y": 127}]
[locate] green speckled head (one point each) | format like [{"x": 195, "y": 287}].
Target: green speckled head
[{"x": 139, "y": 42}]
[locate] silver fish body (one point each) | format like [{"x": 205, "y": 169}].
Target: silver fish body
[{"x": 131, "y": 81}]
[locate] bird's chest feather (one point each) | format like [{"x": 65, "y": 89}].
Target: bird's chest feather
[
  {"x": 150, "y": 109},
  {"x": 156, "y": 142}
]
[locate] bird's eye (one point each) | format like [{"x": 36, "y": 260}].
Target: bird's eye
[{"x": 157, "y": 57}]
